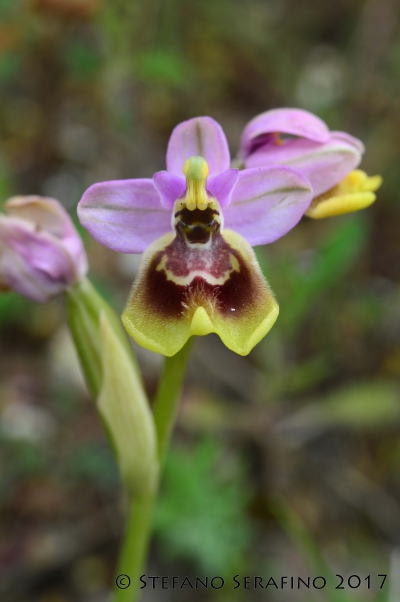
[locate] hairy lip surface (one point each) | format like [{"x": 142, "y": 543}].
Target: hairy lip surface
[{"x": 218, "y": 274}]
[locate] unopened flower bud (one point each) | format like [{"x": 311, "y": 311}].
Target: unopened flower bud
[{"x": 41, "y": 253}]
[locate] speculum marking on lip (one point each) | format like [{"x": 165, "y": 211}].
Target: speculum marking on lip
[{"x": 169, "y": 298}]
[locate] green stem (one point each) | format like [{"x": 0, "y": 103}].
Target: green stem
[
  {"x": 138, "y": 532},
  {"x": 134, "y": 548},
  {"x": 168, "y": 396}
]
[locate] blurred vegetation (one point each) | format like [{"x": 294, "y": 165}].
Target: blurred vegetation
[{"x": 285, "y": 462}]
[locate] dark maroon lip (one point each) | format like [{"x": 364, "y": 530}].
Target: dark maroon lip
[{"x": 171, "y": 300}]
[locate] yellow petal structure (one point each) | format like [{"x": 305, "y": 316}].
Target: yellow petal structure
[
  {"x": 199, "y": 280},
  {"x": 355, "y": 192}
]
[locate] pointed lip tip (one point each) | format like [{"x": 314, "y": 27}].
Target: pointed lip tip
[{"x": 144, "y": 341}]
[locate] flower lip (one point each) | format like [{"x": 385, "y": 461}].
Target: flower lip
[{"x": 190, "y": 290}]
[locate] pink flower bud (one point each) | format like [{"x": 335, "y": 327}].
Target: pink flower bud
[{"x": 41, "y": 253}]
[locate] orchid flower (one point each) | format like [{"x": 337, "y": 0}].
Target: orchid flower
[
  {"x": 301, "y": 140},
  {"x": 41, "y": 253},
  {"x": 196, "y": 222}
]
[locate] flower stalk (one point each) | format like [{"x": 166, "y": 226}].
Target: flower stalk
[
  {"x": 168, "y": 396},
  {"x": 134, "y": 548}
]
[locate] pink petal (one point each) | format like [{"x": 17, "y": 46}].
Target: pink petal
[
  {"x": 124, "y": 215},
  {"x": 169, "y": 187},
  {"x": 222, "y": 185},
  {"x": 199, "y": 136},
  {"x": 354, "y": 142},
  {"x": 47, "y": 213},
  {"x": 16, "y": 274},
  {"x": 296, "y": 122},
  {"x": 325, "y": 165},
  {"x": 267, "y": 202}
]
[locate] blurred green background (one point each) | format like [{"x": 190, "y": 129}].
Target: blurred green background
[{"x": 286, "y": 462}]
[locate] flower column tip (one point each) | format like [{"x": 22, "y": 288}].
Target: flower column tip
[{"x": 196, "y": 172}]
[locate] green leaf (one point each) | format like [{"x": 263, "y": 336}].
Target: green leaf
[
  {"x": 124, "y": 408},
  {"x": 307, "y": 547},
  {"x": 84, "y": 306},
  {"x": 369, "y": 404}
]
